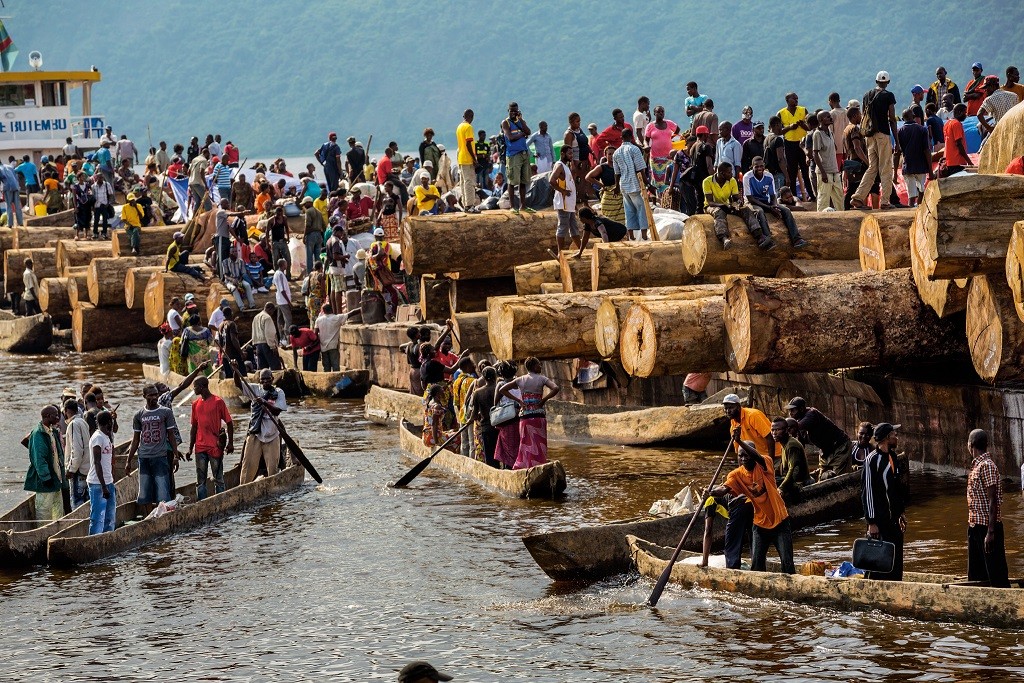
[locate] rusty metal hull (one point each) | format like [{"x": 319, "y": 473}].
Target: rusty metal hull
[{"x": 929, "y": 597}]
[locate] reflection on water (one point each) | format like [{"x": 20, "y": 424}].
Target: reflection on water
[{"x": 351, "y": 579}]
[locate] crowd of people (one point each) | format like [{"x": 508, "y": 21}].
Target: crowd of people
[{"x": 773, "y": 471}]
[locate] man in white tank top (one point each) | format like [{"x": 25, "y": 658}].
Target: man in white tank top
[{"x": 568, "y": 231}]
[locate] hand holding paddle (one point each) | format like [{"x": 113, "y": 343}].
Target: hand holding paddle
[
  {"x": 422, "y": 464},
  {"x": 659, "y": 587}
]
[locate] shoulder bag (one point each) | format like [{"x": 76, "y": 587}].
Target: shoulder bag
[{"x": 502, "y": 414}]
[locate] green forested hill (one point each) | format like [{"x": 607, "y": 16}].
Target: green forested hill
[{"x": 275, "y": 76}]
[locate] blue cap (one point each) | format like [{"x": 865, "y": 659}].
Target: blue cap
[
  {"x": 916, "y": 90},
  {"x": 977, "y": 65}
]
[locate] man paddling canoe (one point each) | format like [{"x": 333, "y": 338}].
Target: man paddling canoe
[{"x": 263, "y": 440}]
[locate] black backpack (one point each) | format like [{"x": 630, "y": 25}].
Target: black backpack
[{"x": 869, "y": 122}]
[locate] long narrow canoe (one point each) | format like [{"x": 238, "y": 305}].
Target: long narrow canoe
[
  {"x": 581, "y": 423},
  {"x": 29, "y": 334},
  {"x": 74, "y": 546},
  {"x": 542, "y": 481},
  {"x": 225, "y": 388},
  {"x": 23, "y": 540},
  {"x": 929, "y": 597},
  {"x": 342, "y": 384},
  {"x": 595, "y": 552}
]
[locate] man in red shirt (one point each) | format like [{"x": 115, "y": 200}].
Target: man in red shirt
[
  {"x": 956, "y": 143},
  {"x": 1016, "y": 166},
  {"x": 383, "y": 169},
  {"x": 307, "y": 342},
  {"x": 612, "y": 135},
  {"x": 208, "y": 413}
]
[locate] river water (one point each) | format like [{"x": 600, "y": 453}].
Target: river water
[{"x": 349, "y": 580}]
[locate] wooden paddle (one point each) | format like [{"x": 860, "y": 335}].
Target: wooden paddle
[
  {"x": 422, "y": 464},
  {"x": 292, "y": 446},
  {"x": 659, "y": 587}
]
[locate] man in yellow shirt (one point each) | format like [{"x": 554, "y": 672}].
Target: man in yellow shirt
[
  {"x": 722, "y": 197},
  {"x": 426, "y": 195},
  {"x": 794, "y": 128},
  {"x": 131, "y": 216},
  {"x": 466, "y": 159}
]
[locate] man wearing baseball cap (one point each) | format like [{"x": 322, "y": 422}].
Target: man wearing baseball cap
[
  {"x": 974, "y": 93},
  {"x": 879, "y": 124},
  {"x": 750, "y": 424},
  {"x": 884, "y": 497},
  {"x": 421, "y": 672},
  {"x": 833, "y": 442},
  {"x": 329, "y": 156}
]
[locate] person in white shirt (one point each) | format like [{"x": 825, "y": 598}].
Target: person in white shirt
[
  {"x": 174, "y": 316},
  {"x": 264, "y": 338},
  {"x": 341, "y": 259},
  {"x": 103, "y": 208},
  {"x": 76, "y": 450},
  {"x": 126, "y": 150},
  {"x": 642, "y": 117},
  {"x": 102, "y": 499},
  {"x": 263, "y": 440},
  {"x": 163, "y": 348},
  {"x": 70, "y": 149},
  {"x": 328, "y": 326},
  {"x": 31, "y": 294},
  {"x": 283, "y": 294}
]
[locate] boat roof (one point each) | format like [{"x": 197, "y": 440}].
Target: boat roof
[{"x": 32, "y": 76}]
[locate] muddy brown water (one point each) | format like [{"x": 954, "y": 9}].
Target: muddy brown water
[{"x": 349, "y": 580}]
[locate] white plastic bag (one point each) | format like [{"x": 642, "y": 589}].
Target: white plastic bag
[{"x": 298, "y": 251}]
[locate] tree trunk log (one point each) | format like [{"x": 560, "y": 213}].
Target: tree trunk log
[
  {"x": 470, "y": 296},
  {"x": 70, "y": 254},
  {"x": 161, "y": 288},
  {"x": 135, "y": 280},
  {"x": 6, "y": 240},
  {"x": 106, "y": 281},
  {"x": 945, "y": 297},
  {"x": 638, "y": 264},
  {"x": 1005, "y": 144},
  {"x": 437, "y": 244},
  {"x": 551, "y": 288},
  {"x": 78, "y": 290},
  {"x": 530, "y": 276},
  {"x": 802, "y": 268},
  {"x": 967, "y": 224},
  {"x": 37, "y": 238},
  {"x": 470, "y": 332},
  {"x": 995, "y": 332},
  {"x": 53, "y": 299},
  {"x": 575, "y": 272},
  {"x": 44, "y": 263},
  {"x": 835, "y": 321},
  {"x": 883, "y": 239},
  {"x": 434, "y": 298},
  {"x": 831, "y": 237},
  {"x": 152, "y": 241},
  {"x": 674, "y": 337},
  {"x": 613, "y": 309},
  {"x": 62, "y": 218},
  {"x": 100, "y": 328},
  {"x": 218, "y": 292},
  {"x": 1015, "y": 262}
]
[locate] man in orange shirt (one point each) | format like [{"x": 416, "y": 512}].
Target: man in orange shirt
[
  {"x": 750, "y": 424},
  {"x": 956, "y": 143},
  {"x": 755, "y": 479},
  {"x": 974, "y": 93}
]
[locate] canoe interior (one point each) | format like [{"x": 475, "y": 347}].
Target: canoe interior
[
  {"x": 929, "y": 597},
  {"x": 29, "y": 334},
  {"x": 596, "y": 552},
  {"x": 341, "y": 384},
  {"x": 543, "y": 481}
]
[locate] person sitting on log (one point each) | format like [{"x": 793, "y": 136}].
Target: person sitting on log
[
  {"x": 177, "y": 259},
  {"x": 794, "y": 462},
  {"x": 760, "y": 193},
  {"x": 721, "y": 198},
  {"x": 833, "y": 442},
  {"x": 755, "y": 479},
  {"x": 599, "y": 226}
]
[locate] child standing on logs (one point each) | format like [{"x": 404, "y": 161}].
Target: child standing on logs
[{"x": 721, "y": 198}]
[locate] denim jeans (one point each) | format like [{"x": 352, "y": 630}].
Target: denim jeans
[
  {"x": 633, "y": 203},
  {"x": 13, "y": 200},
  {"x": 103, "y": 513},
  {"x": 265, "y": 357},
  {"x": 314, "y": 244},
  {"x": 782, "y": 538},
  {"x": 79, "y": 490},
  {"x": 206, "y": 461},
  {"x": 187, "y": 270}
]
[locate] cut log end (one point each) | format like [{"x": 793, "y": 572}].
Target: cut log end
[
  {"x": 995, "y": 333},
  {"x": 738, "y": 330},
  {"x": 607, "y": 329}
]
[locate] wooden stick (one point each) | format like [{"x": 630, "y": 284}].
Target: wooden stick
[{"x": 651, "y": 225}]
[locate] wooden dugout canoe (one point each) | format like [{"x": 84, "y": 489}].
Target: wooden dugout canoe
[
  {"x": 342, "y": 384},
  {"x": 29, "y": 334},
  {"x": 595, "y": 552},
  {"x": 542, "y": 481},
  {"x": 23, "y": 542},
  {"x": 74, "y": 546},
  {"x": 225, "y": 388},
  {"x": 928, "y": 597},
  {"x": 580, "y": 423}
]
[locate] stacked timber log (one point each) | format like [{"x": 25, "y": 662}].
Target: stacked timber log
[
  {"x": 135, "y": 280},
  {"x": 613, "y": 309},
  {"x": 434, "y": 298},
  {"x": 469, "y": 331},
  {"x": 70, "y": 254},
  {"x": 98, "y": 328},
  {"x": 106, "y": 278},
  {"x": 834, "y": 321},
  {"x": 884, "y": 244},
  {"x": 831, "y": 236},
  {"x": 153, "y": 241},
  {"x": 470, "y": 296},
  {"x": 53, "y": 299},
  {"x": 161, "y": 288},
  {"x": 995, "y": 330},
  {"x": 805, "y": 268},
  {"x": 945, "y": 297},
  {"x": 1015, "y": 263},
  {"x": 37, "y": 238},
  {"x": 575, "y": 272},
  {"x": 638, "y": 264},
  {"x": 670, "y": 337},
  {"x": 530, "y": 276}
]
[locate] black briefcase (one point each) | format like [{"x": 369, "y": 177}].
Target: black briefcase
[{"x": 874, "y": 556}]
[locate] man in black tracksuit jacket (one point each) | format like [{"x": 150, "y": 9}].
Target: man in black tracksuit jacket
[{"x": 884, "y": 497}]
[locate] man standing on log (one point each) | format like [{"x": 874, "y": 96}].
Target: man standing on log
[
  {"x": 823, "y": 151},
  {"x": 567, "y": 231},
  {"x": 516, "y": 132},
  {"x": 628, "y": 162},
  {"x": 208, "y": 414},
  {"x": 721, "y": 198},
  {"x": 833, "y": 442},
  {"x": 986, "y": 552},
  {"x": 264, "y": 338},
  {"x": 884, "y": 498},
  {"x": 131, "y": 216},
  {"x": 755, "y": 479},
  {"x": 880, "y": 123}
]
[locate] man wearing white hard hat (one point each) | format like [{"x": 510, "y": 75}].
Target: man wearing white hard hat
[{"x": 879, "y": 125}]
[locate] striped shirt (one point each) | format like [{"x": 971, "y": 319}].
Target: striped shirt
[
  {"x": 627, "y": 161},
  {"x": 998, "y": 103},
  {"x": 222, "y": 176}
]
